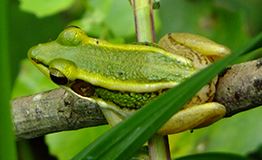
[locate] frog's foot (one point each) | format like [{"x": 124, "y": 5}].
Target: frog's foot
[{"x": 193, "y": 117}]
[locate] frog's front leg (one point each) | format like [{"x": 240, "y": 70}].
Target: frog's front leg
[
  {"x": 113, "y": 113},
  {"x": 193, "y": 117}
]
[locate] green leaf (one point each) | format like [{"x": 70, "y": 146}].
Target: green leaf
[
  {"x": 44, "y": 8},
  {"x": 124, "y": 139},
  {"x": 255, "y": 54},
  {"x": 119, "y": 20},
  {"x": 7, "y": 140},
  {"x": 213, "y": 156},
  {"x": 215, "y": 21},
  {"x": 105, "y": 18}
]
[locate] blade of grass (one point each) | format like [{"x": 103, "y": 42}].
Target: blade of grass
[
  {"x": 124, "y": 139},
  {"x": 255, "y": 54},
  {"x": 7, "y": 140}
]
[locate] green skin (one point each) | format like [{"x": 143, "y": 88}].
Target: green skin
[
  {"x": 126, "y": 99},
  {"x": 119, "y": 77}
]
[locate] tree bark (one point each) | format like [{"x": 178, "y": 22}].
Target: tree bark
[
  {"x": 239, "y": 87},
  {"x": 53, "y": 111}
]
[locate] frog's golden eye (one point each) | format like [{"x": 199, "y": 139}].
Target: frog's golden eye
[
  {"x": 83, "y": 88},
  {"x": 58, "y": 77}
]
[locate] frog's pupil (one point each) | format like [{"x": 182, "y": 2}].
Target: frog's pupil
[
  {"x": 57, "y": 77},
  {"x": 58, "y": 80}
]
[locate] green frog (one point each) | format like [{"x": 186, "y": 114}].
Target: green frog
[{"x": 122, "y": 78}]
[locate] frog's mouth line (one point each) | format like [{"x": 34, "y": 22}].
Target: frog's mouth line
[
  {"x": 41, "y": 66},
  {"x": 38, "y": 62}
]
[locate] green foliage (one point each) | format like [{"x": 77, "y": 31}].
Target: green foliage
[
  {"x": 67, "y": 144},
  {"x": 230, "y": 22},
  {"x": 43, "y": 8},
  {"x": 7, "y": 140},
  {"x": 107, "y": 19},
  {"x": 213, "y": 156}
]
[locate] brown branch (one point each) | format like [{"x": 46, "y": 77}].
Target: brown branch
[
  {"x": 239, "y": 88},
  {"x": 53, "y": 111}
]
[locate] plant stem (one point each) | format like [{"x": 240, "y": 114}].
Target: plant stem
[
  {"x": 145, "y": 32},
  {"x": 159, "y": 148}
]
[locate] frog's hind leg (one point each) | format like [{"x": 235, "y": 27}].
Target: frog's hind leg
[{"x": 193, "y": 117}]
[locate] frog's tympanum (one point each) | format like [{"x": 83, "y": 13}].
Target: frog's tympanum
[{"x": 122, "y": 78}]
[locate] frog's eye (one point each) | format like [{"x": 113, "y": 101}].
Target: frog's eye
[
  {"x": 83, "y": 88},
  {"x": 71, "y": 36},
  {"x": 58, "y": 77}
]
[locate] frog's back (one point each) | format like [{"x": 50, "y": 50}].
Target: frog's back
[{"x": 147, "y": 66}]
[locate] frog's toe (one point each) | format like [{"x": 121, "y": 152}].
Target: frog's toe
[{"x": 193, "y": 117}]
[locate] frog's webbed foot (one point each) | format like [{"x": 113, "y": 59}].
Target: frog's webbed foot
[{"x": 193, "y": 117}]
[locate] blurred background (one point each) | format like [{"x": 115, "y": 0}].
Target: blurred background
[{"x": 229, "y": 22}]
